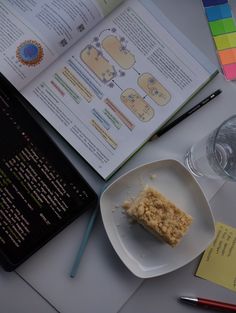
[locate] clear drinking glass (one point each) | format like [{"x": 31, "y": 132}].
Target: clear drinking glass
[{"x": 214, "y": 156}]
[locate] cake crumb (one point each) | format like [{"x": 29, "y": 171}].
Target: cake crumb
[{"x": 153, "y": 176}]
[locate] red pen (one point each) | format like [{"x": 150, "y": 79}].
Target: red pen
[{"x": 211, "y": 304}]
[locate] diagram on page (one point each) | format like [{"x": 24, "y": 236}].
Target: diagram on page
[
  {"x": 109, "y": 57},
  {"x": 154, "y": 89},
  {"x": 116, "y": 48},
  {"x": 137, "y": 104},
  {"x": 30, "y": 53}
]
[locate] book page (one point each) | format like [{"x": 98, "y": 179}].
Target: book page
[
  {"x": 117, "y": 86},
  {"x": 34, "y": 33}
]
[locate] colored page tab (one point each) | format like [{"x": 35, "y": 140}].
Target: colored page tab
[
  {"x": 225, "y": 41},
  {"x": 208, "y": 3},
  {"x": 230, "y": 71},
  {"x": 227, "y": 56},
  {"x": 218, "y": 262},
  {"x": 223, "y": 26},
  {"x": 218, "y": 12}
]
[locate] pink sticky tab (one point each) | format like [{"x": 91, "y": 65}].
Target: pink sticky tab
[{"x": 230, "y": 71}]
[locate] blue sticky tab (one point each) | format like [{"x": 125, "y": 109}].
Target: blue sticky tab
[
  {"x": 218, "y": 12},
  {"x": 208, "y": 3}
]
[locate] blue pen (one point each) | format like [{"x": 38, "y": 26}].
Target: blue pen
[{"x": 85, "y": 239}]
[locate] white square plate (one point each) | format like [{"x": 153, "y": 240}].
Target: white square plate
[{"x": 140, "y": 251}]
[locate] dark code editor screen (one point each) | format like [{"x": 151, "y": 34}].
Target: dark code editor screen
[{"x": 40, "y": 191}]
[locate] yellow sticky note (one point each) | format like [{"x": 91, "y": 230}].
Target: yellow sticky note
[{"x": 218, "y": 262}]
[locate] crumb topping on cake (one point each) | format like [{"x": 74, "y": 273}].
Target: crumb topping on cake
[{"x": 159, "y": 215}]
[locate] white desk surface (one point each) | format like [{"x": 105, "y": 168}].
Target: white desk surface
[{"x": 103, "y": 284}]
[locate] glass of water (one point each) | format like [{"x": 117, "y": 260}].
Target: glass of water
[{"x": 214, "y": 156}]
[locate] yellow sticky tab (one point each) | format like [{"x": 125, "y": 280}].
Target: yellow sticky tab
[
  {"x": 218, "y": 262},
  {"x": 225, "y": 41}
]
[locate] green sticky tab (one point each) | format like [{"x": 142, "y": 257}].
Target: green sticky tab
[
  {"x": 223, "y": 26},
  {"x": 225, "y": 41}
]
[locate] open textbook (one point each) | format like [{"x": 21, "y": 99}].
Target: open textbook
[{"x": 105, "y": 74}]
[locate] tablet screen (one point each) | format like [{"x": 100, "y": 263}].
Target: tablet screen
[{"x": 41, "y": 192}]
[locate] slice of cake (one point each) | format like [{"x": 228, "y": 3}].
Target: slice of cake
[{"x": 158, "y": 215}]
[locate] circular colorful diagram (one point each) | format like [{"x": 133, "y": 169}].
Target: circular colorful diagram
[{"x": 30, "y": 53}]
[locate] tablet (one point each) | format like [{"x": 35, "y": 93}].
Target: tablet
[{"x": 41, "y": 192}]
